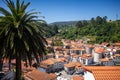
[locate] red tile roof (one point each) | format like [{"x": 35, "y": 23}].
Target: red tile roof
[
  {"x": 77, "y": 77},
  {"x": 73, "y": 64},
  {"x": 98, "y": 49},
  {"x": 86, "y": 55},
  {"x": 60, "y": 59},
  {"x": 38, "y": 75},
  {"x": 117, "y": 44},
  {"x": 116, "y": 55},
  {"x": 75, "y": 48},
  {"x": 105, "y": 59},
  {"x": 105, "y": 72},
  {"x": 48, "y": 61}
]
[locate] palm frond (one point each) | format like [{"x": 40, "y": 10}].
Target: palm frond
[
  {"x": 4, "y": 12},
  {"x": 20, "y": 33}
]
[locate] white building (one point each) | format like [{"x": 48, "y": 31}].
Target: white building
[
  {"x": 86, "y": 59},
  {"x": 97, "y": 53}
]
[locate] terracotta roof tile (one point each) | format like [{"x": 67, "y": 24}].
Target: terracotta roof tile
[
  {"x": 75, "y": 56},
  {"x": 73, "y": 64},
  {"x": 38, "y": 75},
  {"x": 60, "y": 59},
  {"x": 105, "y": 59},
  {"x": 66, "y": 56},
  {"x": 98, "y": 49},
  {"x": 105, "y": 72},
  {"x": 48, "y": 61},
  {"x": 117, "y": 55},
  {"x": 86, "y": 55},
  {"x": 53, "y": 75},
  {"x": 76, "y": 77},
  {"x": 117, "y": 43},
  {"x": 78, "y": 64},
  {"x": 59, "y": 54}
]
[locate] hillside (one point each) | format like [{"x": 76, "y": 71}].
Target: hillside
[
  {"x": 64, "y": 23},
  {"x": 97, "y": 30}
]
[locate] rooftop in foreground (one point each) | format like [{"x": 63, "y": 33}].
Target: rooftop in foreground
[{"x": 105, "y": 72}]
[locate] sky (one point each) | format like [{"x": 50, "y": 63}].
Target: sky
[{"x": 72, "y": 10}]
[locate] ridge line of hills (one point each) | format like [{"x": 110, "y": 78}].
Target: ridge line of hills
[{"x": 65, "y": 22}]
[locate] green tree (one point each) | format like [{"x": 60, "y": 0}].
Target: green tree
[
  {"x": 85, "y": 22},
  {"x": 92, "y": 21},
  {"x": 79, "y": 24},
  {"x": 105, "y": 19},
  {"x": 55, "y": 28},
  {"x": 99, "y": 20},
  {"x": 19, "y": 34}
]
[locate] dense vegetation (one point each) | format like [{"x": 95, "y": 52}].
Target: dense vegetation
[{"x": 96, "y": 30}]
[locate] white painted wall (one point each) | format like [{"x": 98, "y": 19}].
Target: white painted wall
[{"x": 88, "y": 76}]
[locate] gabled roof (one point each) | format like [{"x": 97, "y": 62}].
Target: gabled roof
[
  {"x": 85, "y": 56},
  {"x": 105, "y": 59},
  {"x": 70, "y": 64},
  {"x": 75, "y": 48},
  {"x": 116, "y": 55},
  {"x": 73, "y": 64},
  {"x": 77, "y": 77},
  {"x": 98, "y": 49},
  {"x": 50, "y": 61},
  {"x": 60, "y": 59},
  {"x": 117, "y": 44},
  {"x": 105, "y": 72},
  {"x": 38, "y": 75}
]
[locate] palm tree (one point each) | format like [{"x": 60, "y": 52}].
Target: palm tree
[{"x": 20, "y": 35}]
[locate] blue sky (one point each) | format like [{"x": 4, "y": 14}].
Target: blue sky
[{"x": 70, "y": 10}]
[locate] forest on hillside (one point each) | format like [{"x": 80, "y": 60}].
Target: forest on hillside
[{"x": 96, "y": 30}]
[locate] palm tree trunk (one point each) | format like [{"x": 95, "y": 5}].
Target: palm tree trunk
[
  {"x": 1, "y": 63},
  {"x": 18, "y": 67},
  {"x": 9, "y": 64}
]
